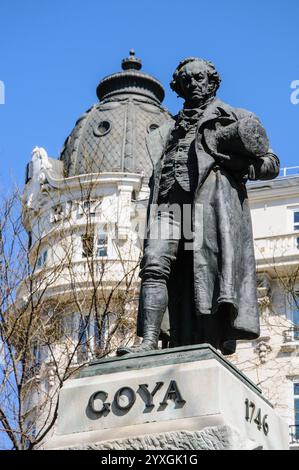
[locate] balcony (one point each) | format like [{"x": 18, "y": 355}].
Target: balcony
[
  {"x": 277, "y": 250},
  {"x": 82, "y": 274},
  {"x": 294, "y": 434}
]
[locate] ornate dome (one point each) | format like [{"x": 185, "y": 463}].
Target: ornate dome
[{"x": 110, "y": 136}]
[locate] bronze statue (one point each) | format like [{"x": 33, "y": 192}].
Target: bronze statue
[{"x": 202, "y": 160}]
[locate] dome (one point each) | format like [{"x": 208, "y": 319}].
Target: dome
[{"x": 111, "y": 135}]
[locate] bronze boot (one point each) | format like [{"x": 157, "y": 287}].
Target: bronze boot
[
  {"x": 154, "y": 300},
  {"x": 149, "y": 343}
]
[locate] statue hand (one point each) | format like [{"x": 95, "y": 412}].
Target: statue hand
[{"x": 236, "y": 163}]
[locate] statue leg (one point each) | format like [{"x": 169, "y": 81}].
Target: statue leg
[
  {"x": 154, "y": 298},
  {"x": 159, "y": 254}
]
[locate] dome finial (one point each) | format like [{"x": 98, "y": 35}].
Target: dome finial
[
  {"x": 131, "y": 80},
  {"x": 131, "y": 62}
]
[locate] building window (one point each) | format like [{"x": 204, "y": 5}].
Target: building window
[
  {"x": 102, "y": 128},
  {"x": 102, "y": 242},
  {"x": 101, "y": 329},
  {"x": 152, "y": 127},
  {"x": 296, "y": 220},
  {"x": 29, "y": 172},
  {"x": 296, "y": 410},
  {"x": 29, "y": 240},
  {"x": 36, "y": 361},
  {"x": 41, "y": 260},
  {"x": 83, "y": 339},
  {"x": 37, "y": 355},
  {"x": 89, "y": 208},
  {"x": 95, "y": 246},
  {"x": 134, "y": 196},
  {"x": 294, "y": 314},
  {"x": 87, "y": 245}
]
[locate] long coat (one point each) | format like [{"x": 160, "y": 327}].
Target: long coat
[{"x": 212, "y": 289}]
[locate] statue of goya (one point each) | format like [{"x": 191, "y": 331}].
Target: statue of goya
[{"x": 198, "y": 267}]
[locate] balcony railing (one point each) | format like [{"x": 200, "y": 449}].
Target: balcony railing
[
  {"x": 289, "y": 171},
  {"x": 292, "y": 334},
  {"x": 273, "y": 247},
  {"x": 294, "y": 433}
]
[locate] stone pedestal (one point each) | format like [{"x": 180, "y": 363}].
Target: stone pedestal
[{"x": 181, "y": 398}]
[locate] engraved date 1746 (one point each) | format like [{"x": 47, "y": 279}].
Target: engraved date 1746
[{"x": 254, "y": 414}]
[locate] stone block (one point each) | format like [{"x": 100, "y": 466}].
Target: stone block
[{"x": 181, "y": 398}]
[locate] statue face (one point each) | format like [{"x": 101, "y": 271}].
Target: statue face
[{"x": 194, "y": 81}]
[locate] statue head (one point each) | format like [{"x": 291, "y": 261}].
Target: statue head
[{"x": 195, "y": 80}]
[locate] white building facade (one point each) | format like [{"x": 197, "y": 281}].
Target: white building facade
[{"x": 272, "y": 361}]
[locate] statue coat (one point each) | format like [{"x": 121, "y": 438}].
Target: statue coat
[{"x": 212, "y": 289}]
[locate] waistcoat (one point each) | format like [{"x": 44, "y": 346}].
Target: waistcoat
[{"x": 180, "y": 163}]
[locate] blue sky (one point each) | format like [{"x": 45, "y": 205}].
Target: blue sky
[{"x": 54, "y": 52}]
